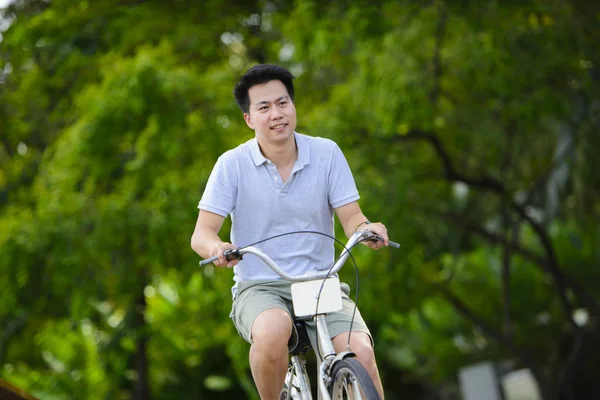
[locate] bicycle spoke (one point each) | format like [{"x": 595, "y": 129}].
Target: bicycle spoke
[{"x": 355, "y": 389}]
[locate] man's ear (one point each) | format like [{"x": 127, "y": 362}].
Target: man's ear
[{"x": 248, "y": 121}]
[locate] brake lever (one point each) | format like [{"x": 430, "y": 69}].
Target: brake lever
[{"x": 376, "y": 238}]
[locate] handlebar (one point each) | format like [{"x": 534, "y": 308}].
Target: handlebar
[{"x": 354, "y": 239}]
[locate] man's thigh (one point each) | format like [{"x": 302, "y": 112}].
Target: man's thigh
[{"x": 252, "y": 299}]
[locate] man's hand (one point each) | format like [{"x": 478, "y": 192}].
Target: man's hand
[
  {"x": 219, "y": 250},
  {"x": 379, "y": 229}
]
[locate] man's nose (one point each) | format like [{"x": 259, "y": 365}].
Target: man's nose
[{"x": 276, "y": 113}]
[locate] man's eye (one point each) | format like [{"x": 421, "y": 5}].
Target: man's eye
[
  {"x": 283, "y": 103},
  {"x": 263, "y": 108}
]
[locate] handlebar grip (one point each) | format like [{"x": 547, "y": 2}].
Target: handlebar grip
[
  {"x": 394, "y": 244},
  {"x": 208, "y": 260}
]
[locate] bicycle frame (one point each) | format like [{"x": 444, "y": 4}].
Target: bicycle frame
[
  {"x": 330, "y": 358},
  {"x": 299, "y": 367}
]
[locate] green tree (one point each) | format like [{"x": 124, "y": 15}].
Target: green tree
[{"x": 471, "y": 130}]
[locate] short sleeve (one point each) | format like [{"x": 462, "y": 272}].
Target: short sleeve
[
  {"x": 220, "y": 194},
  {"x": 342, "y": 188}
]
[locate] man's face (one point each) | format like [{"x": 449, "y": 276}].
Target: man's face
[{"x": 272, "y": 113}]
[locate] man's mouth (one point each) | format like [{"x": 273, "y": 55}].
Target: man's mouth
[{"x": 278, "y": 126}]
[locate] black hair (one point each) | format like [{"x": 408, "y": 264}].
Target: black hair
[{"x": 259, "y": 74}]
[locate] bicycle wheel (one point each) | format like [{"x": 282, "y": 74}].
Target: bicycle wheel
[{"x": 351, "y": 381}]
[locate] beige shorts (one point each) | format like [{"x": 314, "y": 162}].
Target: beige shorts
[{"x": 254, "y": 297}]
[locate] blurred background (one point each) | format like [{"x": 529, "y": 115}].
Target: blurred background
[{"x": 472, "y": 131}]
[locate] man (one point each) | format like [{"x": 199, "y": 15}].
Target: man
[{"x": 280, "y": 181}]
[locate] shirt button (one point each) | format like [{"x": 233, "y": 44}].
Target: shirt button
[{"x": 276, "y": 179}]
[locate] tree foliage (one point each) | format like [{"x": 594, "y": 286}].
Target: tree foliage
[{"x": 471, "y": 130}]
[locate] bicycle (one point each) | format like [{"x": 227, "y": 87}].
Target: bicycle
[{"x": 340, "y": 376}]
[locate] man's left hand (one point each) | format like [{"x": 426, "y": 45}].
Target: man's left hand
[{"x": 379, "y": 229}]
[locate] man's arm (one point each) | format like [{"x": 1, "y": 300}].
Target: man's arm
[
  {"x": 352, "y": 219},
  {"x": 205, "y": 239}
]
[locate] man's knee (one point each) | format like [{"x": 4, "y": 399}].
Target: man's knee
[
  {"x": 360, "y": 344},
  {"x": 272, "y": 328}
]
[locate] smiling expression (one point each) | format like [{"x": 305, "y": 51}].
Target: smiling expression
[{"x": 272, "y": 114}]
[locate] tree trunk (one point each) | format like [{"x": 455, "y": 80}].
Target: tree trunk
[{"x": 142, "y": 389}]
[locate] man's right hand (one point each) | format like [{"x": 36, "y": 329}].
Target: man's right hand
[{"x": 219, "y": 250}]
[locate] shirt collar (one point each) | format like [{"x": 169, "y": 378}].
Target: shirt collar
[
  {"x": 257, "y": 155},
  {"x": 301, "y": 143},
  {"x": 303, "y": 150}
]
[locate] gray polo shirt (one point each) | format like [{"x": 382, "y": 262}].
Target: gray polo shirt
[{"x": 247, "y": 186}]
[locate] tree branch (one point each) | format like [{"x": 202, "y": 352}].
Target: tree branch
[
  {"x": 495, "y": 334},
  {"x": 497, "y": 239},
  {"x": 489, "y": 183},
  {"x": 561, "y": 280},
  {"x": 450, "y": 173},
  {"x": 511, "y": 238}
]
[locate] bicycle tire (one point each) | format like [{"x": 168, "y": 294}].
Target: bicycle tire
[{"x": 351, "y": 368}]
